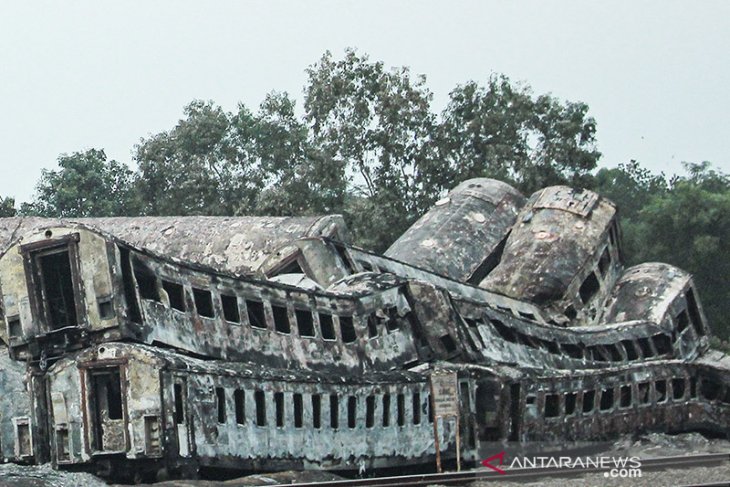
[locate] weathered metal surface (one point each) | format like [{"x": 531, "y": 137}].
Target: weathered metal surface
[
  {"x": 460, "y": 236},
  {"x": 240, "y": 331},
  {"x": 562, "y": 254}
]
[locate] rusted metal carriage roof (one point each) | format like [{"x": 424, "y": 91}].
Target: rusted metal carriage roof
[
  {"x": 555, "y": 235},
  {"x": 644, "y": 292},
  {"x": 461, "y": 231},
  {"x": 229, "y": 244}
]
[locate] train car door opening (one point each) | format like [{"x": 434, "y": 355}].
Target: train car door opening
[
  {"x": 106, "y": 410},
  {"x": 180, "y": 404},
  {"x": 52, "y": 271}
]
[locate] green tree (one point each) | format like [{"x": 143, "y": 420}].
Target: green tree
[
  {"x": 505, "y": 132},
  {"x": 7, "y": 207},
  {"x": 377, "y": 124},
  {"x": 631, "y": 187},
  {"x": 689, "y": 226},
  {"x": 86, "y": 184}
]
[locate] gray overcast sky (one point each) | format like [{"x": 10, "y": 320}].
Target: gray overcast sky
[{"x": 83, "y": 74}]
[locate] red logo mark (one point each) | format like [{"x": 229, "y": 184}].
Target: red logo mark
[{"x": 487, "y": 463}]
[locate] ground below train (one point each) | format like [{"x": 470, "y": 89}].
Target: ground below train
[{"x": 647, "y": 446}]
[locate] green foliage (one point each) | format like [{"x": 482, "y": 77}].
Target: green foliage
[
  {"x": 86, "y": 184},
  {"x": 7, "y": 207},
  {"x": 504, "y": 132},
  {"x": 684, "y": 221}
]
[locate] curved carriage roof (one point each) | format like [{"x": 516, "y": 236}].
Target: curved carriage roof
[{"x": 229, "y": 244}]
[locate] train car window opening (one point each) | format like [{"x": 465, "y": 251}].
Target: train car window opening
[
  {"x": 386, "y": 410},
  {"x": 644, "y": 389},
  {"x": 606, "y": 399},
  {"x": 416, "y": 406},
  {"x": 401, "y": 406},
  {"x": 146, "y": 282},
  {"x": 230, "y": 308},
  {"x": 678, "y": 388},
  {"x": 327, "y": 327},
  {"x": 604, "y": 262},
  {"x": 530, "y": 400},
  {"x": 527, "y": 315},
  {"x": 661, "y": 390},
  {"x": 179, "y": 402},
  {"x": 316, "y": 411},
  {"x": 345, "y": 258},
  {"x": 392, "y": 323},
  {"x": 572, "y": 350},
  {"x": 589, "y": 400},
  {"x": 239, "y": 400},
  {"x": 589, "y": 288},
  {"x": 104, "y": 397},
  {"x": 351, "y": 411},
  {"x": 645, "y": 346},
  {"x": 15, "y": 330},
  {"x": 709, "y": 389},
  {"x": 570, "y": 313},
  {"x": 260, "y": 400},
  {"x": 203, "y": 302},
  {"x": 175, "y": 294},
  {"x": 429, "y": 406},
  {"x": 347, "y": 329},
  {"x": 281, "y": 319},
  {"x": 614, "y": 352},
  {"x": 334, "y": 411},
  {"x": 279, "y": 406},
  {"x": 693, "y": 387},
  {"x": 106, "y": 308},
  {"x": 694, "y": 313},
  {"x": 551, "y": 346},
  {"x": 682, "y": 320},
  {"x": 505, "y": 332},
  {"x": 552, "y": 405},
  {"x": 370, "y": 411},
  {"x": 625, "y": 398},
  {"x": 571, "y": 399},
  {"x": 220, "y": 402},
  {"x": 256, "y": 314},
  {"x": 631, "y": 353},
  {"x": 130, "y": 296},
  {"x": 372, "y": 326},
  {"x": 662, "y": 344},
  {"x": 298, "y": 410},
  {"x": 305, "y": 322},
  {"x": 448, "y": 343},
  {"x": 56, "y": 278}
]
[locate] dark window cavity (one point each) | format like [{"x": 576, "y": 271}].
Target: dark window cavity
[
  {"x": 416, "y": 403},
  {"x": 552, "y": 405},
  {"x": 589, "y": 288},
  {"x": 203, "y": 302},
  {"x": 347, "y": 329},
  {"x": 230, "y": 308},
  {"x": 370, "y": 411},
  {"x": 279, "y": 406},
  {"x": 644, "y": 389},
  {"x": 386, "y": 410},
  {"x": 606, "y": 399},
  {"x": 351, "y": 411},
  {"x": 175, "y": 293},
  {"x": 316, "y": 411},
  {"x": 220, "y": 401},
  {"x": 327, "y": 326},
  {"x": 146, "y": 282},
  {"x": 625, "y": 399},
  {"x": 179, "y": 402},
  {"x": 256, "y": 315},
  {"x": 571, "y": 398},
  {"x": 260, "y": 401},
  {"x": 661, "y": 390},
  {"x": 589, "y": 400},
  {"x": 281, "y": 319},
  {"x": 401, "y": 410},
  {"x": 334, "y": 411},
  {"x": 298, "y": 411},
  {"x": 305, "y": 323},
  {"x": 239, "y": 398},
  {"x": 678, "y": 386}
]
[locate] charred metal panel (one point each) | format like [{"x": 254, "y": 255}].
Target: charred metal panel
[
  {"x": 16, "y": 423},
  {"x": 460, "y": 236},
  {"x": 562, "y": 254}
]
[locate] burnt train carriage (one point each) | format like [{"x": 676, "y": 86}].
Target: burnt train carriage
[
  {"x": 67, "y": 287},
  {"x": 117, "y": 404},
  {"x": 462, "y": 235},
  {"x": 563, "y": 254}
]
